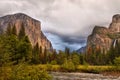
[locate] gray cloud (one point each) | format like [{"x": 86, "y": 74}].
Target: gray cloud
[
  {"x": 71, "y": 20},
  {"x": 60, "y": 41}
]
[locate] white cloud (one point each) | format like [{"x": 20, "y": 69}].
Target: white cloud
[{"x": 65, "y": 17}]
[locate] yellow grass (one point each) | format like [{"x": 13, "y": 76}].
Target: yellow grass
[
  {"x": 94, "y": 69},
  {"x": 91, "y": 67},
  {"x": 79, "y": 68}
]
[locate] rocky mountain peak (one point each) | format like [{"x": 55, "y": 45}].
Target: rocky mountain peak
[
  {"x": 32, "y": 28},
  {"x": 99, "y": 30},
  {"x": 116, "y": 18},
  {"x": 103, "y": 38},
  {"x": 115, "y": 24}
]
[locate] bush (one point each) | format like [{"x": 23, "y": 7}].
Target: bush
[
  {"x": 68, "y": 65},
  {"x": 5, "y": 73},
  {"x": 55, "y": 68},
  {"x": 117, "y": 61},
  {"x": 49, "y": 66},
  {"x": 54, "y": 62},
  {"x": 24, "y": 72},
  {"x": 76, "y": 59}
]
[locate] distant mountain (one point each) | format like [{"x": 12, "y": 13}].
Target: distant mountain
[
  {"x": 32, "y": 28},
  {"x": 81, "y": 50},
  {"x": 103, "y": 38}
]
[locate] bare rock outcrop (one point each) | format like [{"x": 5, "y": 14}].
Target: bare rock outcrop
[
  {"x": 32, "y": 28},
  {"x": 103, "y": 38}
]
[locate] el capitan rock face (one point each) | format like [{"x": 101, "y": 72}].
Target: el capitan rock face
[
  {"x": 103, "y": 38},
  {"x": 32, "y": 28}
]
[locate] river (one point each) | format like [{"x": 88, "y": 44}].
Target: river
[{"x": 81, "y": 76}]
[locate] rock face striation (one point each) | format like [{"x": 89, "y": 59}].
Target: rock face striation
[
  {"x": 32, "y": 28},
  {"x": 103, "y": 38}
]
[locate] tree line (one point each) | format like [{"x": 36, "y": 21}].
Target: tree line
[
  {"x": 16, "y": 54},
  {"x": 16, "y": 47}
]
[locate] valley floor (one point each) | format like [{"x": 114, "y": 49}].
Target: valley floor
[{"x": 81, "y": 76}]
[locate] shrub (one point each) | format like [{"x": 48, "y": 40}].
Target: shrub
[
  {"x": 54, "y": 62},
  {"x": 5, "y": 73},
  {"x": 49, "y": 66},
  {"x": 117, "y": 61},
  {"x": 68, "y": 65},
  {"x": 24, "y": 72},
  {"x": 55, "y": 68},
  {"x": 76, "y": 59}
]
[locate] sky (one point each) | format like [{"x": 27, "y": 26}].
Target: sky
[{"x": 66, "y": 23}]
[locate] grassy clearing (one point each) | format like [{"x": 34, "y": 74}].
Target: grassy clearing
[{"x": 80, "y": 68}]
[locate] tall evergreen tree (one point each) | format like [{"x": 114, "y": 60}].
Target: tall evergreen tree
[
  {"x": 9, "y": 46},
  {"x": 14, "y": 31},
  {"x": 9, "y": 30},
  {"x": 25, "y": 49},
  {"x": 114, "y": 52},
  {"x": 36, "y": 54},
  {"x": 40, "y": 49},
  {"x": 60, "y": 57},
  {"x": 21, "y": 32},
  {"x": 75, "y": 58},
  {"x": 45, "y": 55},
  {"x": 67, "y": 52},
  {"x": 41, "y": 54},
  {"x": 54, "y": 55}
]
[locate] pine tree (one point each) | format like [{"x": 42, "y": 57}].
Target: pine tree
[
  {"x": 82, "y": 58},
  {"x": 14, "y": 31},
  {"x": 60, "y": 57},
  {"x": 8, "y": 46},
  {"x": 37, "y": 48},
  {"x": 9, "y": 30},
  {"x": 45, "y": 55},
  {"x": 21, "y": 34},
  {"x": 114, "y": 52},
  {"x": 54, "y": 55},
  {"x": 36, "y": 54},
  {"x": 75, "y": 58},
  {"x": 25, "y": 49},
  {"x": 41, "y": 54},
  {"x": 40, "y": 49},
  {"x": 67, "y": 52}
]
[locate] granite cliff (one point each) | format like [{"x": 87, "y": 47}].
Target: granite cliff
[
  {"x": 103, "y": 38},
  {"x": 32, "y": 28}
]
